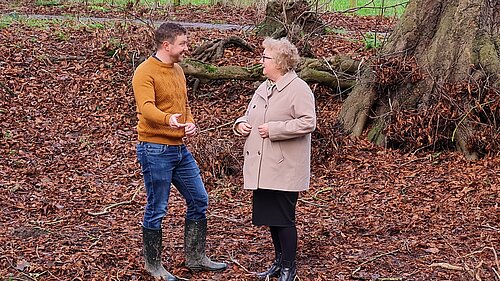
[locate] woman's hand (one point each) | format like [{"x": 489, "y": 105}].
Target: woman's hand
[
  {"x": 264, "y": 130},
  {"x": 244, "y": 128}
]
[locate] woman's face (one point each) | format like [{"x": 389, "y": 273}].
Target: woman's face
[{"x": 270, "y": 69}]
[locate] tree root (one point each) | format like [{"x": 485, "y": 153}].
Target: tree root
[{"x": 213, "y": 50}]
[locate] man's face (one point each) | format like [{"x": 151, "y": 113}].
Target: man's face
[{"x": 177, "y": 49}]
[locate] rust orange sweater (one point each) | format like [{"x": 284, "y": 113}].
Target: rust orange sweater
[{"x": 160, "y": 91}]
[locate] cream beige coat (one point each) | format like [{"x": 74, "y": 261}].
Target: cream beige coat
[{"x": 282, "y": 161}]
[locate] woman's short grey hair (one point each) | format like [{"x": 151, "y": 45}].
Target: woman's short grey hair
[{"x": 285, "y": 54}]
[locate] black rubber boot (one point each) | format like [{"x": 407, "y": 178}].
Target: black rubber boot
[
  {"x": 274, "y": 270},
  {"x": 195, "y": 234},
  {"x": 152, "y": 255},
  {"x": 288, "y": 271}
]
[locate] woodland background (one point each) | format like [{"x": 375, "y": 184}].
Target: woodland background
[{"x": 71, "y": 191}]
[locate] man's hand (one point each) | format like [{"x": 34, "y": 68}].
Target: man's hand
[
  {"x": 190, "y": 129},
  {"x": 244, "y": 128},
  {"x": 174, "y": 121},
  {"x": 264, "y": 130}
]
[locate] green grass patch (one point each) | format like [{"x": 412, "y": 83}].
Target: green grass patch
[
  {"x": 6, "y": 21},
  {"x": 122, "y": 3},
  {"x": 48, "y": 3},
  {"x": 358, "y": 7},
  {"x": 61, "y": 35},
  {"x": 98, "y": 8},
  {"x": 388, "y": 8},
  {"x": 93, "y": 25},
  {"x": 44, "y": 23},
  {"x": 372, "y": 41},
  {"x": 113, "y": 46},
  {"x": 339, "y": 31},
  {"x": 39, "y": 23}
]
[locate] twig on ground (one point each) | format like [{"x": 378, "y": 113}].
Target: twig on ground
[
  {"x": 311, "y": 203},
  {"x": 446, "y": 265},
  {"x": 413, "y": 160},
  {"x": 496, "y": 273},
  {"x": 353, "y": 274},
  {"x": 497, "y": 263},
  {"x": 489, "y": 227},
  {"x": 217, "y": 127},
  {"x": 238, "y": 263},
  {"x": 316, "y": 198},
  {"x": 109, "y": 207},
  {"x": 474, "y": 273},
  {"x": 321, "y": 191},
  {"x": 66, "y": 58},
  {"x": 223, "y": 217}
]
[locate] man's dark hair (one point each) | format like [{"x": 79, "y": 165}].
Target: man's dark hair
[{"x": 168, "y": 32}]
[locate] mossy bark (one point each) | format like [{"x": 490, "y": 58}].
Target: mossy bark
[
  {"x": 336, "y": 72},
  {"x": 452, "y": 42}
]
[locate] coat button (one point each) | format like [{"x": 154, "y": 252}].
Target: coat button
[
  {"x": 248, "y": 152},
  {"x": 258, "y": 152}
]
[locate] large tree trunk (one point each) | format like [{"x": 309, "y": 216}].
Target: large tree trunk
[
  {"x": 436, "y": 83},
  {"x": 293, "y": 19}
]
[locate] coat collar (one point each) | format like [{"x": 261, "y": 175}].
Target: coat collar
[
  {"x": 281, "y": 84},
  {"x": 285, "y": 80}
]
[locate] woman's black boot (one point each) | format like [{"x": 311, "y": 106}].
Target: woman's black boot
[
  {"x": 275, "y": 269},
  {"x": 288, "y": 271}
]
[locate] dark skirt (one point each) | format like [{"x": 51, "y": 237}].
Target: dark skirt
[{"x": 273, "y": 207}]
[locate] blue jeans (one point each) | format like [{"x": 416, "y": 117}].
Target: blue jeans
[{"x": 163, "y": 165}]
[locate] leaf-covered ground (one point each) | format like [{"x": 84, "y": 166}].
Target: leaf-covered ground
[{"x": 71, "y": 190}]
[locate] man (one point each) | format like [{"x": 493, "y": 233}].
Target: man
[{"x": 164, "y": 119}]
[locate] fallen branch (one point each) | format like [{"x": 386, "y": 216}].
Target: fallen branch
[
  {"x": 109, "y": 207},
  {"x": 353, "y": 274}
]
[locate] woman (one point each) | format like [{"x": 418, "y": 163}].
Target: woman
[{"x": 278, "y": 125}]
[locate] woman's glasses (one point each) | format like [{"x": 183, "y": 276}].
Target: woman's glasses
[{"x": 264, "y": 57}]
